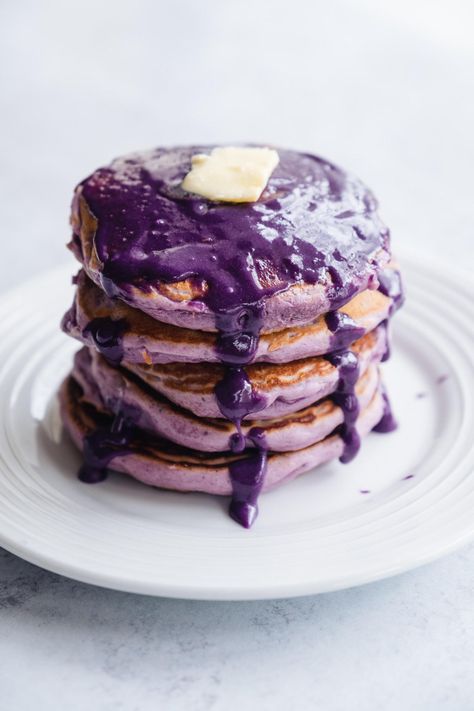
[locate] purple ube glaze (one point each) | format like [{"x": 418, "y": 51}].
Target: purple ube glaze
[
  {"x": 348, "y": 366},
  {"x": 313, "y": 224},
  {"x": 344, "y": 330},
  {"x": 237, "y": 398},
  {"x": 107, "y": 334},
  {"x": 388, "y": 422},
  {"x": 390, "y": 284},
  {"x": 105, "y": 443},
  {"x": 247, "y": 476},
  {"x": 101, "y": 446}
]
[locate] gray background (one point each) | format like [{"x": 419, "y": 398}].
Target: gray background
[{"x": 385, "y": 89}]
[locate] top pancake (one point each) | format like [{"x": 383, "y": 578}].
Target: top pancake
[{"x": 309, "y": 244}]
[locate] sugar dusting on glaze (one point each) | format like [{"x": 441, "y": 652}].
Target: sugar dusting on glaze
[{"x": 313, "y": 224}]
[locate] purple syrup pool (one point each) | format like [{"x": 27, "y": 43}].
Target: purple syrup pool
[{"x": 313, "y": 224}]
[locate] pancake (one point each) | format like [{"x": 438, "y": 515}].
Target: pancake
[
  {"x": 309, "y": 244},
  {"x": 145, "y": 340},
  {"x": 230, "y": 345},
  {"x": 282, "y": 388},
  {"x": 161, "y": 464},
  {"x": 111, "y": 389}
]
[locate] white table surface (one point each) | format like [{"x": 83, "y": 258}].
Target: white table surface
[{"x": 385, "y": 90}]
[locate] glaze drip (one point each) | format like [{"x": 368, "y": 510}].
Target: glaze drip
[
  {"x": 237, "y": 399},
  {"x": 107, "y": 335},
  {"x": 101, "y": 446},
  {"x": 238, "y": 334},
  {"x": 235, "y": 395},
  {"x": 388, "y": 422},
  {"x": 390, "y": 284},
  {"x": 343, "y": 329},
  {"x": 345, "y": 332},
  {"x": 387, "y": 352},
  {"x": 347, "y": 365},
  {"x": 247, "y": 476},
  {"x": 237, "y": 342}
]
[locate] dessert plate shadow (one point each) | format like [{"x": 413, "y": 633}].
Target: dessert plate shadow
[{"x": 406, "y": 499}]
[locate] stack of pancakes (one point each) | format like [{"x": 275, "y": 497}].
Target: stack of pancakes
[{"x": 226, "y": 347}]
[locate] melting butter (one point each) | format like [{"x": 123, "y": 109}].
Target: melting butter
[{"x": 231, "y": 174}]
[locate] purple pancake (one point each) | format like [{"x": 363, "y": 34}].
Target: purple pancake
[
  {"x": 142, "y": 339},
  {"x": 299, "y": 261},
  {"x": 278, "y": 389},
  {"x": 110, "y": 389},
  {"x": 308, "y": 245},
  {"x": 162, "y": 464}
]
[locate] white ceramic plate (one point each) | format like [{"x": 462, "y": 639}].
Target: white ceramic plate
[{"x": 406, "y": 499}]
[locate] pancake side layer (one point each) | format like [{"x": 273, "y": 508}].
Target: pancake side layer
[
  {"x": 111, "y": 389},
  {"x": 145, "y": 340},
  {"x": 161, "y": 465},
  {"x": 280, "y": 388}
]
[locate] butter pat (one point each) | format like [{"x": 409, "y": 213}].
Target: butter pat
[{"x": 231, "y": 174}]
